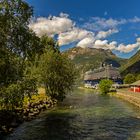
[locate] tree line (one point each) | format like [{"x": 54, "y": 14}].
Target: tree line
[{"x": 131, "y": 78}]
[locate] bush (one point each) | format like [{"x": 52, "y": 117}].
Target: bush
[
  {"x": 138, "y": 77},
  {"x": 129, "y": 78},
  {"x": 57, "y": 74},
  {"x": 12, "y": 97},
  {"x": 105, "y": 86}
]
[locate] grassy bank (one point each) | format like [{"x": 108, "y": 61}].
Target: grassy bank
[
  {"x": 10, "y": 119},
  {"x": 126, "y": 94}
]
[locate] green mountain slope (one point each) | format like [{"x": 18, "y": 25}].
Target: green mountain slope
[
  {"x": 91, "y": 58},
  {"x": 132, "y": 65}
]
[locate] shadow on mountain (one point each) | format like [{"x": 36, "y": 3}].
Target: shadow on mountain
[{"x": 113, "y": 62}]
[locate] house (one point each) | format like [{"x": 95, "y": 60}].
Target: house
[
  {"x": 135, "y": 87},
  {"x": 93, "y": 78}
]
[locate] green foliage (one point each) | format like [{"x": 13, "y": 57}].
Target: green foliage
[
  {"x": 29, "y": 86},
  {"x": 57, "y": 73},
  {"x": 19, "y": 45},
  {"x": 105, "y": 86},
  {"x": 49, "y": 44},
  {"x": 138, "y": 77},
  {"x": 132, "y": 65},
  {"x": 26, "y": 60},
  {"x": 129, "y": 78},
  {"x": 11, "y": 97}
]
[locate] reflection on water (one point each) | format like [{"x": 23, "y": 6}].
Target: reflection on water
[{"x": 84, "y": 116}]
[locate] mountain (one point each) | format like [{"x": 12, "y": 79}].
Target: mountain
[
  {"x": 91, "y": 58},
  {"x": 132, "y": 65}
]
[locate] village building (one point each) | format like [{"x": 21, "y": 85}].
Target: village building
[
  {"x": 135, "y": 87},
  {"x": 92, "y": 78}
]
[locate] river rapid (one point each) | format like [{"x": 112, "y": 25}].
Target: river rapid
[{"x": 84, "y": 115}]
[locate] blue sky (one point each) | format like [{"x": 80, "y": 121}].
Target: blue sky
[{"x": 107, "y": 24}]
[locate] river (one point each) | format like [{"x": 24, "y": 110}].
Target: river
[{"x": 84, "y": 115}]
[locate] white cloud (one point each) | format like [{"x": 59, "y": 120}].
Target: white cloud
[
  {"x": 97, "y": 23},
  {"x": 134, "y": 20},
  {"x": 86, "y": 42},
  {"x": 104, "y": 34},
  {"x": 103, "y": 44},
  {"x": 73, "y": 35},
  {"x": 83, "y": 36},
  {"x": 64, "y": 15},
  {"x": 98, "y": 44},
  {"x": 128, "y": 48},
  {"x": 51, "y": 25},
  {"x": 138, "y": 40},
  {"x": 106, "y": 45},
  {"x": 99, "y": 28}
]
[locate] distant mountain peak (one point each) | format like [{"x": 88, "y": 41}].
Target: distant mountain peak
[{"x": 91, "y": 51}]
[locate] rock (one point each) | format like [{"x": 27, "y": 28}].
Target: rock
[
  {"x": 25, "y": 113},
  {"x": 10, "y": 129},
  {"x": 70, "y": 107},
  {"x": 36, "y": 113},
  {"x": 31, "y": 114},
  {"x": 14, "y": 124},
  {"x": 4, "y": 128},
  {"x": 44, "y": 107}
]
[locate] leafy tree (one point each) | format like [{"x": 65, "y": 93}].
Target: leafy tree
[
  {"x": 19, "y": 45},
  {"x": 49, "y": 43},
  {"x": 105, "y": 85},
  {"x": 16, "y": 37},
  {"x": 129, "y": 78},
  {"x": 57, "y": 73}
]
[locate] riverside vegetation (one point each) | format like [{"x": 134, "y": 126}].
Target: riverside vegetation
[{"x": 28, "y": 62}]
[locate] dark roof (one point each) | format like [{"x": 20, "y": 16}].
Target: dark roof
[{"x": 106, "y": 72}]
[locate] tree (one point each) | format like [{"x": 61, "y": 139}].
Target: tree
[
  {"x": 49, "y": 43},
  {"x": 18, "y": 46},
  {"x": 57, "y": 73},
  {"x": 129, "y": 78},
  {"x": 105, "y": 85},
  {"x": 138, "y": 77}
]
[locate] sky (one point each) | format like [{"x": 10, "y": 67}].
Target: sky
[{"x": 106, "y": 24}]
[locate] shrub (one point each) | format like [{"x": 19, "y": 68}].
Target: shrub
[
  {"x": 129, "y": 78},
  {"x": 105, "y": 85}
]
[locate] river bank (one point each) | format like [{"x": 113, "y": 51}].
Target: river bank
[
  {"x": 11, "y": 119},
  {"x": 81, "y": 116},
  {"x": 125, "y": 94},
  {"x": 131, "y": 97}
]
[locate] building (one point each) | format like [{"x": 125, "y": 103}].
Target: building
[
  {"x": 135, "y": 87},
  {"x": 93, "y": 78}
]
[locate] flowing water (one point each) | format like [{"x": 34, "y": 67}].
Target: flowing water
[{"x": 84, "y": 115}]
